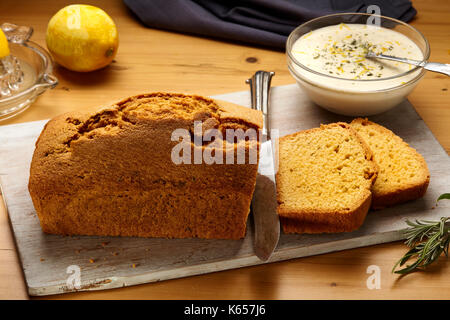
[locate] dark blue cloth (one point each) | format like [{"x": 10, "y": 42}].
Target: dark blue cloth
[{"x": 258, "y": 22}]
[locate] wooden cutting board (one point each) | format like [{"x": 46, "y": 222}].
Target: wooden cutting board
[{"x": 111, "y": 262}]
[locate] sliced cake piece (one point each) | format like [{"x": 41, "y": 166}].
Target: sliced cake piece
[
  {"x": 324, "y": 180},
  {"x": 403, "y": 173}
]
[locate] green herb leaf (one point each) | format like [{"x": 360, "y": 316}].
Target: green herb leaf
[
  {"x": 428, "y": 240},
  {"x": 444, "y": 196}
]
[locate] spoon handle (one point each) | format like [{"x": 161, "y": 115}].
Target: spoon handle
[
  {"x": 431, "y": 66},
  {"x": 438, "y": 67},
  {"x": 392, "y": 58}
]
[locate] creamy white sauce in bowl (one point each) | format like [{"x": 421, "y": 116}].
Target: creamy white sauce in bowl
[{"x": 329, "y": 63}]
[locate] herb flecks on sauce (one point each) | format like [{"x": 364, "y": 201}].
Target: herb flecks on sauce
[{"x": 341, "y": 50}]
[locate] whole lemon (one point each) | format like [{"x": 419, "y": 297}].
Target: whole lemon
[
  {"x": 82, "y": 38},
  {"x": 4, "y": 47}
]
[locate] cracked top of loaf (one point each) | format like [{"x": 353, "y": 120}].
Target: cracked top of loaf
[{"x": 165, "y": 108}]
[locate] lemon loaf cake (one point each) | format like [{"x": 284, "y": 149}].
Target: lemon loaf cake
[
  {"x": 324, "y": 180},
  {"x": 111, "y": 171},
  {"x": 403, "y": 173}
]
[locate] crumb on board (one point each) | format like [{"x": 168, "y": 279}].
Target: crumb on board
[
  {"x": 91, "y": 260},
  {"x": 115, "y": 253},
  {"x": 42, "y": 259}
]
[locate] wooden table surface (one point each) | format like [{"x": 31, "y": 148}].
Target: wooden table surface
[{"x": 154, "y": 60}]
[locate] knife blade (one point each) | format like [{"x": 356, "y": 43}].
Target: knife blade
[{"x": 264, "y": 202}]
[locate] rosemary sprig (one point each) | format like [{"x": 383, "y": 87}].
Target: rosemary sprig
[
  {"x": 444, "y": 196},
  {"x": 427, "y": 240}
]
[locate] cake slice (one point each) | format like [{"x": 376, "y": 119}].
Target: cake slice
[
  {"x": 403, "y": 173},
  {"x": 324, "y": 180}
]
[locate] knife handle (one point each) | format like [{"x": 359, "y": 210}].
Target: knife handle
[{"x": 260, "y": 93}]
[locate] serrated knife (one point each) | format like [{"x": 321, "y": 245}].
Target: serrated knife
[{"x": 264, "y": 201}]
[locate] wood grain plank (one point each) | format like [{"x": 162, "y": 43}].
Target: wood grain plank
[{"x": 12, "y": 284}]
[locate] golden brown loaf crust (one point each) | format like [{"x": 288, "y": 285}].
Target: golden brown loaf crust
[
  {"x": 324, "y": 179},
  {"x": 109, "y": 172},
  {"x": 403, "y": 173}
]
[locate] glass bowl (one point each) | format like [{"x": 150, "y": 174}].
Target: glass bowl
[
  {"x": 36, "y": 65},
  {"x": 352, "y": 97}
]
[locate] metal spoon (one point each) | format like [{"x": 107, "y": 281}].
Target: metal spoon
[{"x": 431, "y": 66}]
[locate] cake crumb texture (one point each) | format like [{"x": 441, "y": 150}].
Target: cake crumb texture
[
  {"x": 324, "y": 180},
  {"x": 403, "y": 173}
]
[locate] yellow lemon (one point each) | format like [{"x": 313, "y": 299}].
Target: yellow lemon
[
  {"x": 4, "y": 46},
  {"x": 82, "y": 38}
]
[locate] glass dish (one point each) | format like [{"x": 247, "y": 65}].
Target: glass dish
[
  {"x": 340, "y": 98},
  {"x": 36, "y": 65}
]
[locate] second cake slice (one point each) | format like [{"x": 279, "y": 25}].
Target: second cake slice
[
  {"x": 324, "y": 180},
  {"x": 403, "y": 172}
]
